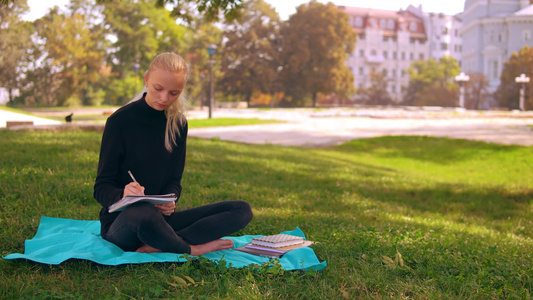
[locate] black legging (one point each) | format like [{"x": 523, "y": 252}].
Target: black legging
[{"x": 142, "y": 223}]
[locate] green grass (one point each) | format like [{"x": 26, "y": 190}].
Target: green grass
[
  {"x": 198, "y": 123},
  {"x": 394, "y": 217}
]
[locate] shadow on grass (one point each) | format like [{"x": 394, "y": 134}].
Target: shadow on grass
[{"x": 316, "y": 181}]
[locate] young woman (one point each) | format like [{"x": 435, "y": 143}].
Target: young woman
[{"x": 149, "y": 136}]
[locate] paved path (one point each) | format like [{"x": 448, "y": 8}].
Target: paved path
[
  {"x": 332, "y": 127},
  {"x": 315, "y": 128},
  {"x": 7, "y": 116}
]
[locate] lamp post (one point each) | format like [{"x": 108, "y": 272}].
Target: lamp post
[
  {"x": 462, "y": 79},
  {"x": 523, "y": 79},
  {"x": 211, "y": 50}
]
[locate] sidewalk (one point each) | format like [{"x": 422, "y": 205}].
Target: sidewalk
[
  {"x": 311, "y": 128},
  {"x": 8, "y": 116}
]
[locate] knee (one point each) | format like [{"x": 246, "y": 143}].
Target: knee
[
  {"x": 140, "y": 212},
  {"x": 245, "y": 212}
]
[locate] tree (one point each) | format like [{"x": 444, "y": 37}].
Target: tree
[
  {"x": 202, "y": 35},
  {"x": 508, "y": 92},
  {"x": 182, "y": 8},
  {"x": 250, "y": 55},
  {"x": 316, "y": 41},
  {"x": 14, "y": 42},
  {"x": 476, "y": 92},
  {"x": 141, "y": 30},
  {"x": 71, "y": 52},
  {"x": 376, "y": 93},
  {"x": 432, "y": 83}
]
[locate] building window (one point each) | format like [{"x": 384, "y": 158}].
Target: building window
[
  {"x": 393, "y": 88},
  {"x": 362, "y": 52},
  {"x": 373, "y": 52},
  {"x": 384, "y": 72},
  {"x": 361, "y": 71},
  {"x": 383, "y": 23},
  {"x": 491, "y": 36},
  {"x": 494, "y": 68},
  {"x": 526, "y": 35},
  {"x": 411, "y": 56},
  {"x": 385, "y": 54},
  {"x": 403, "y": 73},
  {"x": 372, "y": 22},
  {"x": 421, "y": 56},
  {"x": 394, "y": 55},
  {"x": 445, "y": 30},
  {"x": 403, "y": 55},
  {"x": 361, "y": 36},
  {"x": 443, "y": 46},
  {"x": 456, "y": 32},
  {"x": 391, "y": 24},
  {"x": 385, "y": 38},
  {"x": 412, "y": 26},
  {"x": 359, "y": 22},
  {"x": 393, "y": 72}
]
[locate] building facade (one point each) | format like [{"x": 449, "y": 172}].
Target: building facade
[
  {"x": 389, "y": 41},
  {"x": 444, "y": 38},
  {"x": 492, "y": 30}
]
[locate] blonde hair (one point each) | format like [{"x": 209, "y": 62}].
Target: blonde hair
[{"x": 175, "y": 113}]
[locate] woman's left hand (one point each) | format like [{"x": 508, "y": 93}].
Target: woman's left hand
[{"x": 166, "y": 209}]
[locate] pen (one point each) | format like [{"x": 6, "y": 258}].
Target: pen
[{"x": 131, "y": 175}]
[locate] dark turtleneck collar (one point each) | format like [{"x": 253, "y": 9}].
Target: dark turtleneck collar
[{"x": 150, "y": 111}]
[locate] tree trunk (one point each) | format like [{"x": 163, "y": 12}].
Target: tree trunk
[
  {"x": 11, "y": 97},
  {"x": 314, "y": 99}
]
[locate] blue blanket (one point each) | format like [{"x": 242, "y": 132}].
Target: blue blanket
[{"x": 58, "y": 240}]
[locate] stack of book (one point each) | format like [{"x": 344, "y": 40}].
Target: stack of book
[{"x": 274, "y": 245}]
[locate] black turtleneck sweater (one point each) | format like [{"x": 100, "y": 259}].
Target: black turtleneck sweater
[{"x": 134, "y": 139}]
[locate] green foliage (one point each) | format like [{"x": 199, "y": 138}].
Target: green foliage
[
  {"x": 431, "y": 83},
  {"x": 14, "y": 43},
  {"x": 394, "y": 217},
  {"x": 508, "y": 91},
  {"x": 203, "y": 34},
  {"x": 316, "y": 41},
  {"x": 250, "y": 55},
  {"x": 72, "y": 53},
  {"x": 142, "y": 31}
]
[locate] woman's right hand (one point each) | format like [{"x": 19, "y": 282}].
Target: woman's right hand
[{"x": 133, "y": 188}]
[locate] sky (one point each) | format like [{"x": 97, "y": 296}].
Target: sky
[{"x": 285, "y": 8}]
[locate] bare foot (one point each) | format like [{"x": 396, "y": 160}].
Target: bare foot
[
  {"x": 147, "y": 249},
  {"x": 215, "y": 245}
]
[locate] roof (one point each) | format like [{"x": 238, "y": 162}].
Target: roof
[{"x": 526, "y": 11}]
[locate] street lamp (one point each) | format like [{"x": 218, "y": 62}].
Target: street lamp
[
  {"x": 523, "y": 79},
  {"x": 211, "y": 50},
  {"x": 462, "y": 79}
]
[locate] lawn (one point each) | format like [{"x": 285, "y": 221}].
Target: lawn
[{"x": 394, "y": 217}]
